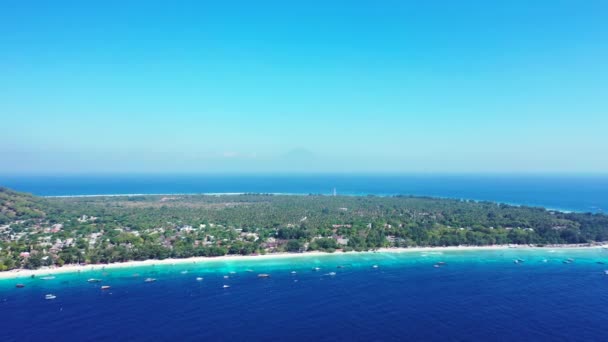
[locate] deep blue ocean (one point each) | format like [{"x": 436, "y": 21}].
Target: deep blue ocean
[
  {"x": 563, "y": 192},
  {"x": 476, "y": 296}
]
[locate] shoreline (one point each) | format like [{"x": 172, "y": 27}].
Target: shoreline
[{"x": 25, "y": 273}]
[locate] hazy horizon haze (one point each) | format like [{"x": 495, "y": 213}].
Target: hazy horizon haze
[{"x": 305, "y": 87}]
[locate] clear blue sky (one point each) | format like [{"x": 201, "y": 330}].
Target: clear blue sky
[{"x": 307, "y": 86}]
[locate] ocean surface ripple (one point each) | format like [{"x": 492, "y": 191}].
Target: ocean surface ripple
[{"x": 475, "y": 296}]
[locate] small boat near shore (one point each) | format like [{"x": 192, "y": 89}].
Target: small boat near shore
[
  {"x": 226, "y": 286},
  {"x": 47, "y": 278},
  {"x": 93, "y": 280},
  {"x": 150, "y": 280},
  {"x": 199, "y": 278},
  {"x": 50, "y": 296},
  {"x": 105, "y": 287},
  {"x": 263, "y": 275},
  {"x": 20, "y": 286}
]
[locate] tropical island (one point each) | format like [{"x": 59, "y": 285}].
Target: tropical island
[{"x": 40, "y": 232}]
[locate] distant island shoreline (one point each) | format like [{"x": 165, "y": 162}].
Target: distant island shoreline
[
  {"x": 61, "y": 233},
  {"x": 310, "y": 194},
  {"x": 75, "y": 268}
]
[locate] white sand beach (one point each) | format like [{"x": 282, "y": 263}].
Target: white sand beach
[{"x": 24, "y": 273}]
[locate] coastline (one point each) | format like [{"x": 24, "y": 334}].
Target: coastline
[{"x": 25, "y": 273}]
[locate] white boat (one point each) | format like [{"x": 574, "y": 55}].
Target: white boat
[
  {"x": 316, "y": 269},
  {"x": 199, "y": 278},
  {"x": 226, "y": 277},
  {"x": 436, "y": 266},
  {"x": 263, "y": 275},
  {"x": 606, "y": 272},
  {"x": 293, "y": 272},
  {"x": 150, "y": 280},
  {"x": 50, "y": 296},
  {"x": 105, "y": 287},
  {"x": 93, "y": 280},
  {"x": 331, "y": 273},
  {"x": 184, "y": 272},
  {"x": 375, "y": 266},
  {"x": 47, "y": 278},
  {"x": 226, "y": 286}
]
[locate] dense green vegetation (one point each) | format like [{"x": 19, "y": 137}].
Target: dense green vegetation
[
  {"x": 18, "y": 206},
  {"x": 37, "y": 232}
]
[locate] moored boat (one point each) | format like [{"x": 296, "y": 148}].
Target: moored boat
[
  {"x": 93, "y": 280},
  {"x": 20, "y": 286},
  {"x": 150, "y": 280},
  {"x": 105, "y": 287},
  {"x": 263, "y": 275},
  {"x": 50, "y": 296}
]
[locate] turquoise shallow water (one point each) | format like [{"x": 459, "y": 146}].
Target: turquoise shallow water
[
  {"x": 550, "y": 258},
  {"x": 476, "y": 295}
]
